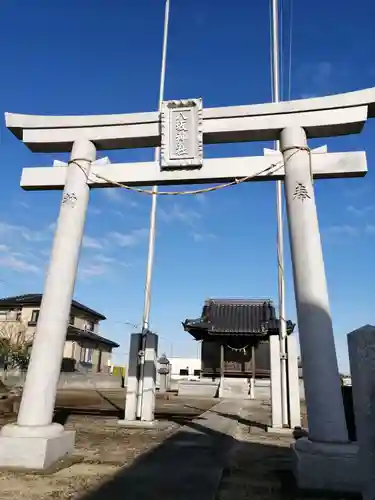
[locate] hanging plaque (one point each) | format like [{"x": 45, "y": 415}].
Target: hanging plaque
[{"x": 181, "y": 134}]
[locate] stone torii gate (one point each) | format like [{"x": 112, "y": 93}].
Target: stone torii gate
[{"x": 325, "y": 457}]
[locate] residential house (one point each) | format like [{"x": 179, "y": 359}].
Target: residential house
[{"x": 85, "y": 349}]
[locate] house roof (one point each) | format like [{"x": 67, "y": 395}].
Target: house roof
[
  {"x": 78, "y": 333},
  {"x": 236, "y": 317},
  {"x": 35, "y": 299}
]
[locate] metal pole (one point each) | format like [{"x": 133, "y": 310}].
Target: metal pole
[
  {"x": 253, "y": 373},
  {"x": 151, "y": 242},
  {"x": 152, "y": 232},
  {"x": 279, "y": 209},
  {"x": 222, "y": 357}
]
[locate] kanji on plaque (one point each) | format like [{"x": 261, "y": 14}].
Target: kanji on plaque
[
  {"x": 181, "y": 122},
  {"x": 182, "y": 138}
]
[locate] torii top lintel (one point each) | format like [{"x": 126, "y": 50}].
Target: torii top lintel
[{"x": 332, "y": 115}]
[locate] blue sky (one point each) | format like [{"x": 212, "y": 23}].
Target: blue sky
[{"x": 91, "y": 57}]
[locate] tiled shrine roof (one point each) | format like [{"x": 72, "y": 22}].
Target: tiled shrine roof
[{"x": 236, "y": 317}]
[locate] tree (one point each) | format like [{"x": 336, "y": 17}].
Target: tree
[{"x": 14, "y": 344}]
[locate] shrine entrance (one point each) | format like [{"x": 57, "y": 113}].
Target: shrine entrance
[{"x": 181, "y": 129}]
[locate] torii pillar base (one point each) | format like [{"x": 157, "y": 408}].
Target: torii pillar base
[
  {"x": 326, "y": 466},
  {"x": 34, "y": 449}
]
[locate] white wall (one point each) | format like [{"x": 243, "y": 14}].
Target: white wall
[{"x": 178, "y": 364}]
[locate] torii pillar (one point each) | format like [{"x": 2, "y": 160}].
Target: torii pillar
[
  {"x": 34, "y": 442},
  {"x": 326, "y": 456}
]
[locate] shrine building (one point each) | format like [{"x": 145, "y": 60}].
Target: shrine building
[{"x": 235, "y": 336}]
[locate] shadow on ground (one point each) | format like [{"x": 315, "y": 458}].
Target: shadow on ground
[
  {"x": 240, "y": 420},
  {"x": 62, "y": 414},
  {"x": 191, "y": 464},
  {"x": 204, "y": 464},
  {"x": 114, "y": 410}
]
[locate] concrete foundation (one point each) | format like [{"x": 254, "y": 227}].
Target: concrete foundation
[
  {"x": 132, "y": 378},
  {"x": 149, "y": 378},
  {"x": 34, "y": 448},
  {"x": 294, "y": 396},
  {"x": 326, "y": 466},
  {"x": 276, "y": 406}
]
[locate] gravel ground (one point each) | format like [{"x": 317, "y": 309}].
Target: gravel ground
[
  {"x": 102, "y": 448},
  {"x": 260, "y": 466}
]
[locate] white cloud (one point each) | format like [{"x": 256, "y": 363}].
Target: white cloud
[
  {"x": 13, "y": 230},
  {"x": 90, "y": 270},
  {"x": 177, "y": 213},
  {"x": 113, "y": 194},
  {"x": 90, "y": 242},
  {"x": 24, "y": 204},
  {"x": 315, "y": 78},
  {"x": 11, "y": 261},
  {"x": 201, "y": 199},
  {"x": 360, "y": 212},
  {"x": 104, "y": 259},
  {"x": 46, "y": 252},
  {"x": 18, "y": 252},
  {"x": 198, "y": 237},
  {"x": 118, "y": 213},
  {"x": 94, "y": 210},
  {"x": 118, "y": 195},
  {"x": 342, "y": 230},
  {"x": 358, "y": 190},
  {"x": 129, "y": 239}
]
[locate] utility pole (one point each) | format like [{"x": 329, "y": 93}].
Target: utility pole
[
  {"x": 152, "y": 232},
  {"x": 279, "y": 210}
]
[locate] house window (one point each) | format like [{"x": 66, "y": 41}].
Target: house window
[
  {"x": 89, "y": 326},
  {"x": 34, "y": 316},
  {"x": 13, "y": 315},
  {"x": 89, "y": 355},
  {"x": 71, "y": 320},
  {"x": 184, "y": 371},
  {"x": 86, "y": 355}
]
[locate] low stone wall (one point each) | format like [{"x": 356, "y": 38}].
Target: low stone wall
[
  {"x": 75, "y": 380},
  {"x": 233, "y": 388},
  {"x": 89, "y": 381},
  {"x": 198, "y": 389}
]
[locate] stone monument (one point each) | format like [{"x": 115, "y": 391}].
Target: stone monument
[{"x": 361, "y": 343}]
